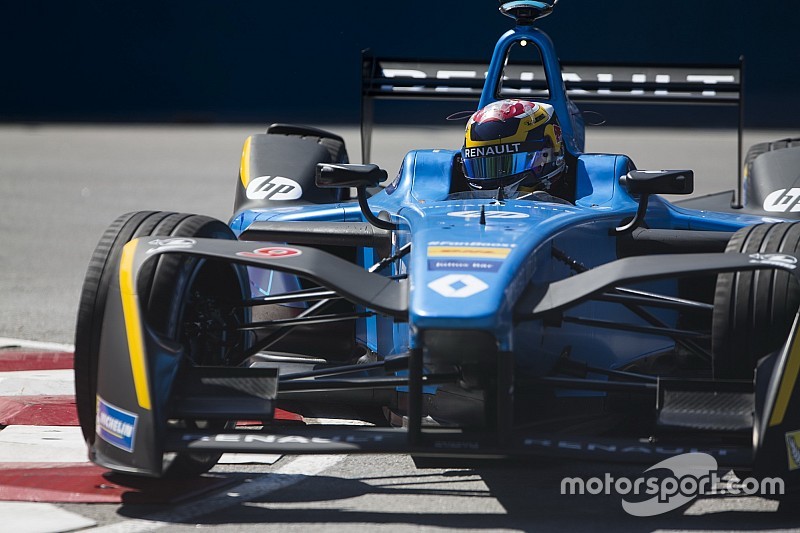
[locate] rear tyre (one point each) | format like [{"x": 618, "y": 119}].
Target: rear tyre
[
  {"x": 762, "y": 148},
  {"x": 753, "y": 311},
  {"x": 332, "y": 142},
  {"x": 178, "y": 291}
]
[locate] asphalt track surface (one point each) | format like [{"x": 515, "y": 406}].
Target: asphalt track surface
[{"x": 60, "y": 186}]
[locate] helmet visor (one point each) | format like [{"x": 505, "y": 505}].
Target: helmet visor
[
  {"x": 501, "y": 160},
  {"x": 497, "y": 167}
]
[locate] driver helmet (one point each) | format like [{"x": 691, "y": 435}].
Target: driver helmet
[{"x": 513, "y": 142}]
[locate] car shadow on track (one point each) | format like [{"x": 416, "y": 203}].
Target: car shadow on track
[{"x": 504, "y": 496}]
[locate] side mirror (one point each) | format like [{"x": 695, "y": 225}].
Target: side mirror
[
  {"x": 647, "y": 182},
  {"x": 658, "y": 181},
  {"x": 330, "y": 175}
]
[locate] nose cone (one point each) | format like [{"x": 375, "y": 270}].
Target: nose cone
[{"x": 468, "y": 275}]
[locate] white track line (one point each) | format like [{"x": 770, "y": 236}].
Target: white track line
[
  {"x": 285, "y": 476},
  {"x": 248, "y": 458},
  {"x": 37, "y": 383},
  {"x": 30, "y": 517},
  {"x": 6, "y": 342},
  {"x": 42, "y": 444}
]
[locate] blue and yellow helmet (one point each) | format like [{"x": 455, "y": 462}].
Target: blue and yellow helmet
[{"x": 513, "y": 141}]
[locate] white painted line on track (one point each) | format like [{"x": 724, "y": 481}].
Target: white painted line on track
[
  {"x": 285, "y": 476},
  {"x": 37, "y": 383},
  {"x": 42, "y": 444},
  {"x": 30, "y": 517},
  {"x": 7, "y": 342},
  {"x": 248, "y": 458}
]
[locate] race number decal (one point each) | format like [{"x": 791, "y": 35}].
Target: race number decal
[
  {"x": 274, "y": 188},
  {"x": 272, "y": 252}
]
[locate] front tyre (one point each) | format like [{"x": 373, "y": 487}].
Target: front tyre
[{"x": 179, "y": 293}]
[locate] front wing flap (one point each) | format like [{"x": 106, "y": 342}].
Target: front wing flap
[
  {"x": 448, "y": 443},
  {"x": 351, "y": 281}
]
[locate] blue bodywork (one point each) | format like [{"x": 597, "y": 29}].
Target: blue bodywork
[{"x": 473, "y": 290}]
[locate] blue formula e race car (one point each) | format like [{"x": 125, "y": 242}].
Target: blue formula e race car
[{"x": 514, "y": 297}]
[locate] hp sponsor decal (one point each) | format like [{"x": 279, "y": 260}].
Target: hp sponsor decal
[
  {"x": 274, "y": 188},
  {"x": 783, "y": 200}
]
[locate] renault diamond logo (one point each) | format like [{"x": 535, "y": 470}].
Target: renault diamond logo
[{"x": 458, "y": 286}]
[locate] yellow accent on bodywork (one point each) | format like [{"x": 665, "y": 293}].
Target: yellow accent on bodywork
[
  {"x": 133, "y": 324},
  {"x": 788, "y": 381},
  {"x": 244, "y": 167},
  {"x": 468, "y": 251}
]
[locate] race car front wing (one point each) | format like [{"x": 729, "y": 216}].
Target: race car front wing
[{"x": 136, "y": 394}]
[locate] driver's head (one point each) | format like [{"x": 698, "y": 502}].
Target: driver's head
[{"x": 512, "y": 142}]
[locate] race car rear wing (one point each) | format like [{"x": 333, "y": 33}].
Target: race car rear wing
[{"x": 407, "y": 79}]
